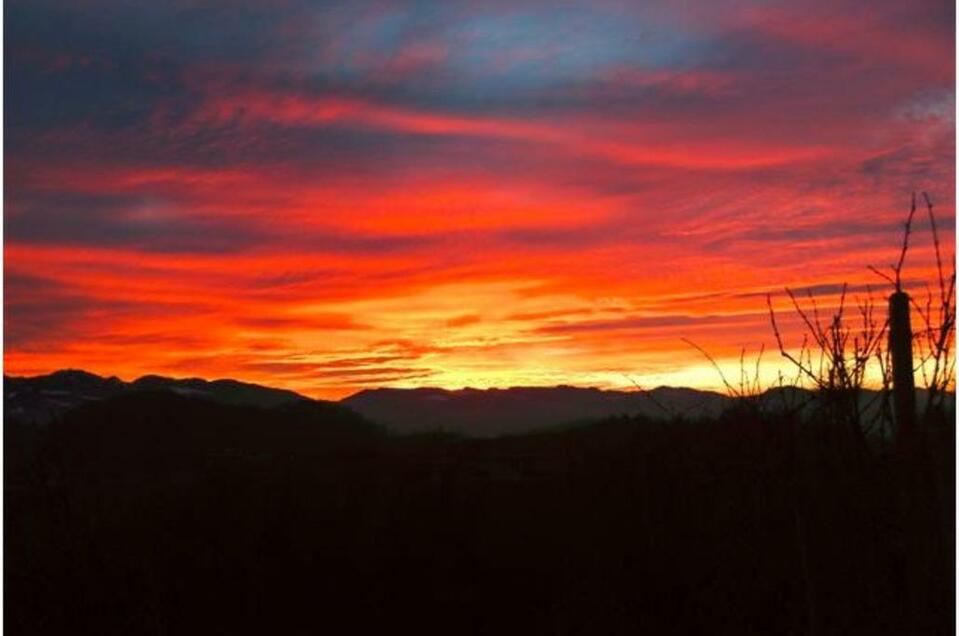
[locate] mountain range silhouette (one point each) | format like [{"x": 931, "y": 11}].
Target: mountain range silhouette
[{"x": 466, "y": 412}]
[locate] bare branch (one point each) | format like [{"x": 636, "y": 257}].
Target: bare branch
[
  {"x": 712, "y": 361},
  {"x": 879, "y": 273},
  {"x": 935, "y": 242},
  {"x": 905, "y": 243}
]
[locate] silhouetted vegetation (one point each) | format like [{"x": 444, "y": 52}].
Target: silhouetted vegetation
[{"x": 153, "y": 513}]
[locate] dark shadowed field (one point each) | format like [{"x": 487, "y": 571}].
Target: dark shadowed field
[{"x": 155, "y": 513}]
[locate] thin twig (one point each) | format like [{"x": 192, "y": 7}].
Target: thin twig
[{"x": 712, "y": 361}]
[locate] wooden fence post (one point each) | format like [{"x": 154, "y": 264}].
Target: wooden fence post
[{"x": 903, "y": 381}]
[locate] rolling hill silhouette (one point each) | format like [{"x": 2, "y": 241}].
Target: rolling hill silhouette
[
  {"x": 492, "y": 412},
  {"x": 44, "y": 397}
]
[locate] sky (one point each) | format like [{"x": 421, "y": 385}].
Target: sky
[{"x": 331, "y": 196}]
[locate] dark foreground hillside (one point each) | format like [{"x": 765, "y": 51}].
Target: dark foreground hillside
[{"x": 160, "y": 514}]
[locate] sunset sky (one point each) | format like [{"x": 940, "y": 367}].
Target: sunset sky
[{"x": 328, "y": 196}]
